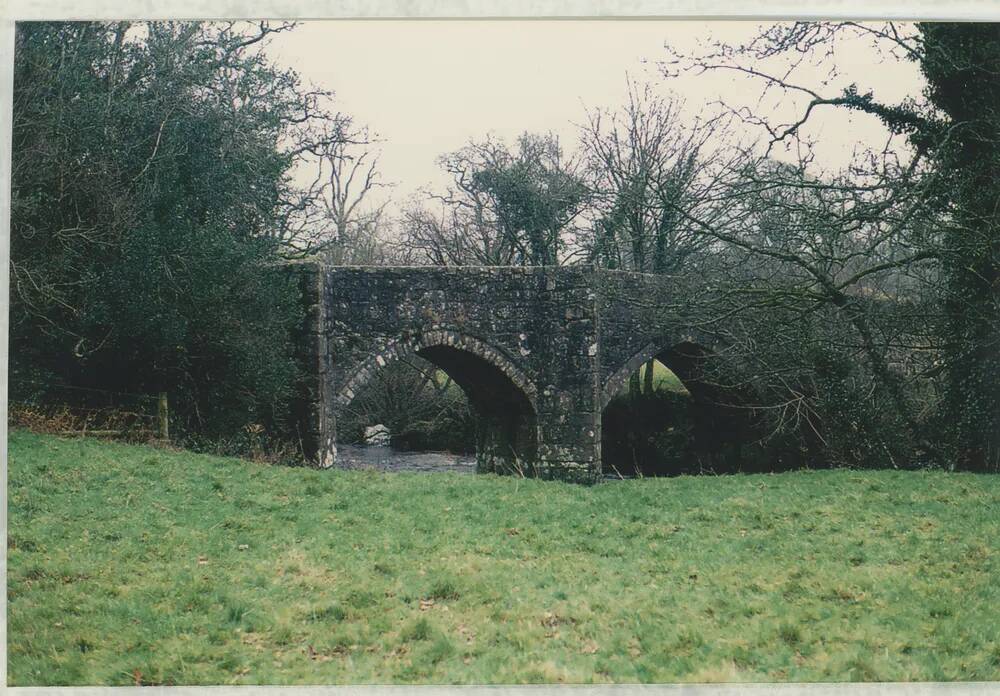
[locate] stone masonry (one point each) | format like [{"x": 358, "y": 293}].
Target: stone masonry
[{"x": 539, "y": 351}]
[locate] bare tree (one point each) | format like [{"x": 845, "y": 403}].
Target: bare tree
[
  {"x": 334, "y": 215},
  {"x": 351, "y": 175},
  {"x": 797, "y": 248},
  {"x": 504, "y": 207},
  {"x": 868, "y": 246},
  {"x": 642, "y": 166},
  {"x": 453, "y": 234}
]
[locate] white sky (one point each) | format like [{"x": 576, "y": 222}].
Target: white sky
[{"x": 428, "y": 86}]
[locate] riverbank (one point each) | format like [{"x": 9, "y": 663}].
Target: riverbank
[{"x": 130, "y": 564}]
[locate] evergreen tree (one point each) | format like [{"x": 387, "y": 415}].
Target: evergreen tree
[{"x": 151, "y": 186}]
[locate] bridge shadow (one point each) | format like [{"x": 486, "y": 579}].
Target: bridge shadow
[{"x": 677, "y": 419}]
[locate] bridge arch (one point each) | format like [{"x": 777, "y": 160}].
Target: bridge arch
[
  {"x": 504, "y": 399},
  {"x": 715, "y": 421},
  {"x": 403, "y": 346},
  {"x": 554, "y": 342},
  {"x": 682, "y": 353}
]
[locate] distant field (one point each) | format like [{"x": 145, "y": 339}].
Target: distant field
[
  {"x": 663, "y": 378},
  {"x": 131, "y": 565}
]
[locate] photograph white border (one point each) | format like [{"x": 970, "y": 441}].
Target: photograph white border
[{"x": 28, "y": 10}]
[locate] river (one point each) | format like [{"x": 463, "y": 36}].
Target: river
[{"x": 383, "y": 458}]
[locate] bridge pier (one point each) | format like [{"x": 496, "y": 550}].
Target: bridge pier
[
  {"x": 551, "y": 448},
  {"x": 569, "y": 440},
  {"x": 505, "y": 444}
]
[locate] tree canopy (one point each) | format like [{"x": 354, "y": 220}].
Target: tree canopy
[{"x": 152, "y": 197}]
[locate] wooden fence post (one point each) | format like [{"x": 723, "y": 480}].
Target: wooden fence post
[{"x": 163, "y": 417}]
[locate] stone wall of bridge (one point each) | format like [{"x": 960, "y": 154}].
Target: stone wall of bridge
[
  {"x": 538, "y": 351},
  {"x": 521, "y": 342}
]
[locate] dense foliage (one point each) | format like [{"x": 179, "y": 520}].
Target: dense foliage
[
  {"x": 962, "y": 65},
  {"x": 151, "y": 191},
  {"x": 421, "y": 406}
]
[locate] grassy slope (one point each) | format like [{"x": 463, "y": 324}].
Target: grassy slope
[{"x": 128, "y": 563}]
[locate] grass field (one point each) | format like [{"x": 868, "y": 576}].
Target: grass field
[
  {"x": 135, "y": 565},
  {"x": 664, "y": 378}
]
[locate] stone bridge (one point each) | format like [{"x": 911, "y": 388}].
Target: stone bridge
[{"x": 539, "y": 351}]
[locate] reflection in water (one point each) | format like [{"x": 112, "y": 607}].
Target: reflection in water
[{"x": 388, "y": 459}]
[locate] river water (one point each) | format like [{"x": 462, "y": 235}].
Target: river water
[{"x": 383, "y": 458}]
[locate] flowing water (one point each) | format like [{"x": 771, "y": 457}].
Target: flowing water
[{"x": 384, "y": 458}]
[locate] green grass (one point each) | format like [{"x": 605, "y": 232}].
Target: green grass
[
  {"x": 136, "y": 565},
  {"x": 663, "y": 378}
]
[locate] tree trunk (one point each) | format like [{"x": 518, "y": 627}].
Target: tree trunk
[{"x": 634, "y": 386}]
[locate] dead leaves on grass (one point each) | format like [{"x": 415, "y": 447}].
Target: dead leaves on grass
[
  {"x": 551, "y": 619},
  {"x": 334, "y": 652},
  {"x": 467, "y": 633}
]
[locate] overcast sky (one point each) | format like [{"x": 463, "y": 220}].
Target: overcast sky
[{"x": 427, "y": 87}]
